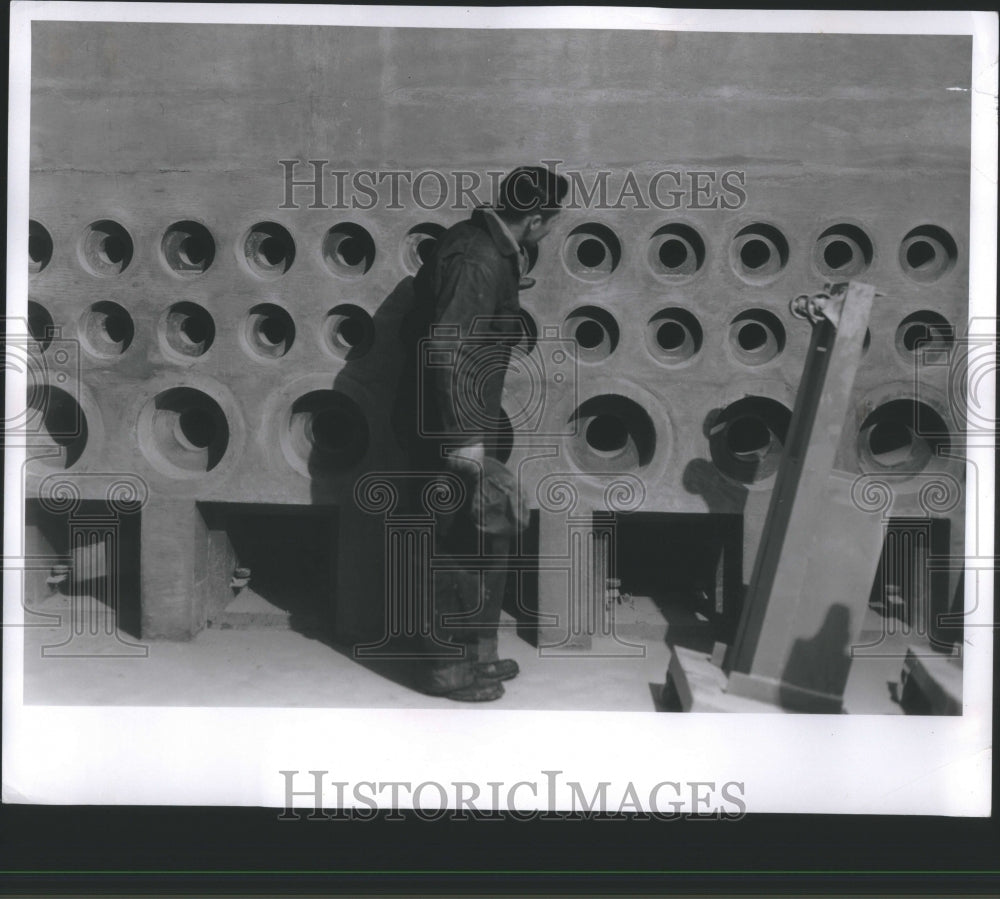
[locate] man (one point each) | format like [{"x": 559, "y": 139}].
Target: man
[{"x": 465, "y": 319}]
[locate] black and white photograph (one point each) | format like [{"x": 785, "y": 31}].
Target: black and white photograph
[{"x": 385, "y": 383}]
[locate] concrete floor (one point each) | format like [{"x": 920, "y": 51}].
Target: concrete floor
[{"x": 283, "y": 668}]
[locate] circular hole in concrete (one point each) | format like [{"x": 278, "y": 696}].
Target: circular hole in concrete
[
  {"x": 903, "y": 435},
  {"x": 589, "y": 334},
  {"x": 40, "y": 324},
  {"x": 676, "y": 252},
  {"x": 269, "y": 331},
  {"x": 106, "y": 248},
  {"x": 39, "y": 247},
  {"x": 673, "y": 335},
  {"x": 592, "y": 252},
  {"x": 837, "y": 254},
  {"x": 594, "y": 330},
  {"x": 188, "y": 329},
  {"x": 756, "y": 336},
  {"x": 927, "y": 253},
  {"x": 58, "y": 427},
  {"x": 607, "y": 434},
  {"x": 269, "y": 249},
  {"x": 755, "y": 253},
  {"x": 673, "y": 253},
  {"x": 348, "y": 250},
  {"x": 924, "y": 332},
  {"x": 326, "y": 433},
  {"x": 747, "y": 438},
  {"x": 612, "y": 433},
  {"x": 843, "y": 251},
  {"x": 752, "y": 337},
  {"x": 107, "y": 329},
  {"x": 759, "y": 253},
  {"x": 419, "y": 244},
  {"x": 183, "y": 432},
  {"x": 348, "y": 331},
  {"x": 189, "y": 248}
]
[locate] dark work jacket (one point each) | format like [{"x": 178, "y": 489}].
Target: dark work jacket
[{"x": 459, "y": 332}]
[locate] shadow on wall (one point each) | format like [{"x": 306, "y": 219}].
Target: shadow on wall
[
  {"x": 822, "y": 662},
  {"x": 336, "y": 427}
]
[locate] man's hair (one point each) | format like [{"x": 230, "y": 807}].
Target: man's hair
[{"x": 530, "y": 189}]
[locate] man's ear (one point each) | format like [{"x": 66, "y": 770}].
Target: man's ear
[{"x": 535, "y": 221}]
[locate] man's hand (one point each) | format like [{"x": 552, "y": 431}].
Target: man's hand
[{"x": 473, "y": 454}]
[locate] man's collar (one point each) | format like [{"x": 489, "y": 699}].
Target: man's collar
[{"x": 499, "y": 231}]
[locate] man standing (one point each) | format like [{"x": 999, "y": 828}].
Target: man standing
[{"x": 465, "y": 319}]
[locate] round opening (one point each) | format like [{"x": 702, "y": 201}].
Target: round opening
[
  {"x": 195, "y": 329},
  {"x": 905, "y": 435},
  {"x": 920, "y": 254},
  {"x": 269, "y": 249},
  {"x": 594, "y": 330},
  {"x": 591, "y": 252},
  {"x": 352, "y": 251},
  {"x": 890, "y": 442},
  {"x": 837, "y": 254},
  {"x": 188, "y": 248},
  {"x": 349, "y": 331},
  {"x": 188, "y": 329},
  {"x": 673, "y": 253},
  {"x": 193, "y": 251},
  {"x": 922, "y": 332},
  {"x": 106, "y": 248},
  {"x": 118, "y": 327},
  {"x": 273, "y": 251},
  {"x": 107, "y": 329},
  {"x": 753, "y": 337},
  {"x": 913, "y": 335},
  {"x": 755, "y": 253},
  {"x": 756, "y": 336},
  {"x": 114, "y": 249},
  {"x": 183, "y": 432},
  {"x": 607, "y": 434},
  {"x": 589, "y": 334},
  {"x": 758, "y": 253},
  {"x": 676, "y": 252},
  {"x": 39, "y": 247},
  {"x": 270, "y": 331},
  {"x": 425, "y": 248},
  {"x": 927, "y": 253},
  {"x": 40, "y": 324},
  {"x": 326, "y": 432},
  {"x": 348, "y": 250},
  {"x": 59, "y": 425},
  {"x": 671, "y": 335},
  {"x": 196, "y": 427},
  {"x": 748, "y": 436},
  {"x": 612, "y": 433}
]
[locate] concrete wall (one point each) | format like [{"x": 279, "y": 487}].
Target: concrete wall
[{"x": 195, "y": 380}]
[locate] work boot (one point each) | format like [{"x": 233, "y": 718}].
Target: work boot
[
  {"x": 480, "y": 690},
  {"x": 501, "y": 669},
  {"x": 487, "y": 662}
]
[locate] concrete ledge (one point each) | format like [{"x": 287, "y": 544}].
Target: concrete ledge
[{"x": 937, "y": 680}]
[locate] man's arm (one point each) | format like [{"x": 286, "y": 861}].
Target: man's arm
[{"x": 468, "y": 292}]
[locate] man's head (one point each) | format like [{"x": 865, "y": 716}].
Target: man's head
[{"x": 529, "y": 200}]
